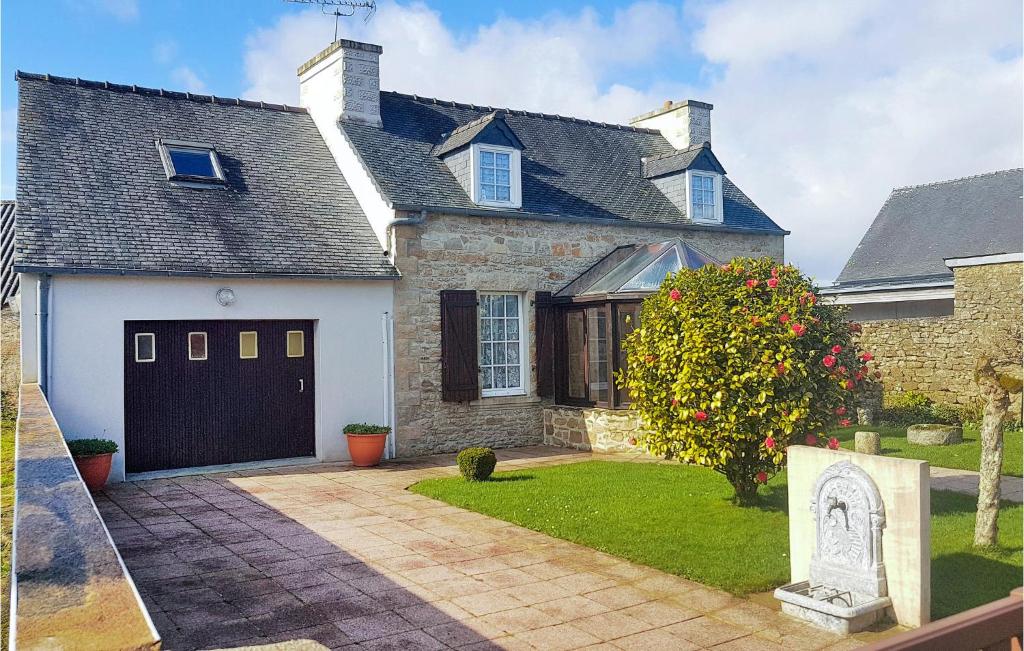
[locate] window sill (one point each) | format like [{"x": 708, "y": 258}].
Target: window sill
[{"x": 506, "y": 401}]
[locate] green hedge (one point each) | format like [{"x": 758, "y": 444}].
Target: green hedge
[
  {"x": 366, "y": 428},
  {"x": 910, "y": 408},
  {"x": 89, "y": 447},
  {"x": 476, "y": 464}
]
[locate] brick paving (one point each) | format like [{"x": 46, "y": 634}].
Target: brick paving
[
  {"x": 347, "y": 557},
  {"x": 966, "y": 481}
]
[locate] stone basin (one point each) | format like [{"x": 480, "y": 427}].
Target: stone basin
[
  {"x": 845, "y": 613},
  {"x": 935, "y": 434}
]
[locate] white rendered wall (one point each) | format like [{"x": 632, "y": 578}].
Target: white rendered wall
[
  {"x": 29, "y": 328},
  {"x": 86, "y": 388}
]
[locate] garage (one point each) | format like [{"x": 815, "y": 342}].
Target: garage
[{"x": 211, "y": 392}]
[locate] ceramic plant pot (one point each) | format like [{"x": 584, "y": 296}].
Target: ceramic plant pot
[
  {"x": 366, "y": 449},
  {"x": 94, "y": 468}
]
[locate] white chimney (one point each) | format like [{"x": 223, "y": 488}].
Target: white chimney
[
  {"x": 683, "y": 124},
  {"x": 343, "y": 79}
]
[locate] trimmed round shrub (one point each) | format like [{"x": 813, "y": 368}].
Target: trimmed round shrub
[
  {"x": 366, "y": 428},
  {"x": 90, "y": 447},
  {"x": 731, "y": 364},
  {"x": 476, "y": 464}
]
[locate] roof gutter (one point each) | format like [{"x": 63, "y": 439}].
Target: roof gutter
[
  {"x": 543, "y": 217},
  {"x": 401, "y": 221},
  {"x": 107, "y": 271}
]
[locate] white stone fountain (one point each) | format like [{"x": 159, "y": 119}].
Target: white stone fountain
[{"x": 846, "y": 591}]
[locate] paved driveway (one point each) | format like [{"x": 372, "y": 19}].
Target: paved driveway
[{"x": 348, "y": 557}]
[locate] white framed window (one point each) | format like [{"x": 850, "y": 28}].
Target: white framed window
[
  {"x": 503, "y": 348},
  {"x": 496, "y": 176},
  {"x": 194, "y": 162},
  {"x": 705, "y": 193},
  {"x": 145, "y": 347},
  {"x": 296, "y": 343},
  {"x": 197, "y": 346},
  {"x": 248, "y": 347}
]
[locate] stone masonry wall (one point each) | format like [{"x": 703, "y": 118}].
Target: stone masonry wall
[
  {"x": 586, "y": 428},
  {"x": 936, "y": 355},
  {"x": 497, "y": 254}
]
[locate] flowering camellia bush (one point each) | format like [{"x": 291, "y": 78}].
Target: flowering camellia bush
[{"x": 731, "y": 364}]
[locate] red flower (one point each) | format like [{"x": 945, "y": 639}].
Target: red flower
[
  {"x": 837, "y": 349},
  {"x": 775, "y": 272},
  {"x": 773, "y": 282},
  {"x": 833, "y": 443},
  {"x": 780, "y": 368},
  {"x": 762, "y": 477},
  {"x": 783, "y": 318},
  {"x": 769, "y": 443},
  {"x": 867, "y": 357},
  {"x": 752, "y": 283},
  {"x": 700, "y": 416},
  {"x": 829, "y": 361},
  {"x": 840, "y": 411},
  {"x": 675, "y": 402},
  {"x": 811, "y": 298},
  {"x": 850, "y": 384},
  {"x": 841, "y": 370},
  {"x": 859, "y": 376},
  {"x": 632, "y": 440},
  {"x": 845, "y": 422},
  {"x": 811, "y": 439},
  {"x": 799, "y": 330},
  {"x": 675, "y": 295}
]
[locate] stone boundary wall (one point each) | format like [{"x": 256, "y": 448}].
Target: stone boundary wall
[
  {"x": 69, "y": 588},
  {"x": 504, "y": 255},
  {"x": 590, "y": 428},
  {"x": 936, "y": 355}
]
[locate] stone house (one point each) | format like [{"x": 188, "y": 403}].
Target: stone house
[
  {"x": 479, "y": 207},
  {"x": 210, "y": 281},
  {"x": 936, "y": 282}
]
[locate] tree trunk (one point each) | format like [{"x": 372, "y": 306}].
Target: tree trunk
[{"x": 997, "y": 403}]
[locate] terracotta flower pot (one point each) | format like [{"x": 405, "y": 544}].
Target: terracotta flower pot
[
  {"x": 366, "y": 449},
  {"x": 94, "y": 469}
]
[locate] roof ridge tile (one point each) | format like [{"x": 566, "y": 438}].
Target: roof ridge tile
[{"x": 956, "y": 180}]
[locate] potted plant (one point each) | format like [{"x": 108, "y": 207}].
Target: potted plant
[
  {"x": 366, "y": 443},
  {"x": 92, "y": 456}
]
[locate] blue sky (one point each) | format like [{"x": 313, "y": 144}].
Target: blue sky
[{"x": 820, "y": 108}]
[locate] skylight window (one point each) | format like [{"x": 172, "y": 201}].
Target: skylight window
[{"x": 190, "y": 162}]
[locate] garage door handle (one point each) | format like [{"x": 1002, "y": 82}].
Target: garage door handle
[{"x": 302, "y": 385}]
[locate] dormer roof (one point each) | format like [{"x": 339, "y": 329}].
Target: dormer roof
[
  {"x": 697, "y": 157},
  {"x": 490, "y": 129}
]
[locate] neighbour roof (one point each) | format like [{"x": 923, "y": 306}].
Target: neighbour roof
[
  {"x": 93, "y": 195},
  {"x": 8, "y": 279},
  {"x": 571, "y": 168},
  {"x": 920, "y": 226},
  {"x": 637, "y": 269}
]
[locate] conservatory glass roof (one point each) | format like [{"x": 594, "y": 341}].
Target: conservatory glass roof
[{"x": 637, "y": 269}]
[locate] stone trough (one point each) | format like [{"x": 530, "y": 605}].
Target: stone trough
[{"x": 935, "y": 434}]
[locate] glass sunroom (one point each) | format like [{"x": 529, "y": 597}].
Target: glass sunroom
[{"x": 595, "y": 312}]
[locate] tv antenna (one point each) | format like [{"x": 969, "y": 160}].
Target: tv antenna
[{"x": 339, "y": 8}]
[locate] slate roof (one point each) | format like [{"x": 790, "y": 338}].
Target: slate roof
[
  {"x": 8, "y": 279},
  {"x": 467, "y": 133},
  {"x": 696, "y": 157},
  {"x": 920, "y": 226},
  {"x": 571, "y": 168},
  {"x": 93, "y": 195}
]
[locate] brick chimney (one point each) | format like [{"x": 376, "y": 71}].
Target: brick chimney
[
  {"x": 344, "y": 80},
  {"x": 683, "y": 123}
]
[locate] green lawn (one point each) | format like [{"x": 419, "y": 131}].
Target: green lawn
[
  {"x": 6, "y": 511},
  {"x": 679, "y": 519},
  {"x": 964, "y": 456}
]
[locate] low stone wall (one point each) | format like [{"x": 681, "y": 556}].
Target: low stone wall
[
  {"x": 70, "y": 589},
  {"x": 589, "y": 428},
  {"x": 936, "y": 355}
]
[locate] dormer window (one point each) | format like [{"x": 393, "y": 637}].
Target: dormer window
[
  {"x": 496, "y": 176},
  {"x": 190, "y": 162},
  {"x": 705, "y": 194}
]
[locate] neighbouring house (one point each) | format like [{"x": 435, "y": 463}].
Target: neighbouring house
[
  {"x": 190, "y": 263},
  {"x": 938, "y": 274},
  {"x": 8, "y": 278},
  {"x": 489, "y": 214}
]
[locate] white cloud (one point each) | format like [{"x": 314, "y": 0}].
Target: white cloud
[
  {"x": 820, "y": 108},
  {"x": 125, "y": 10},
  {"x": 186, "y": 78}
]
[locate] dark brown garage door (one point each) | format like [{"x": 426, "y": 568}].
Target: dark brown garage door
[{"x": 200, "y": 393}]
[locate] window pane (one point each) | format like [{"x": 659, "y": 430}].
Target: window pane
[
  {"x": 628, "y": 321},
  {"x": 501, "y": 177},
  {"x": 513, "y": 379},
  {"x": 192, "y": 162},
  {"x": 485, "y": 329},
  {"x": 488, "y": 378},
  {"x": 512, "y": 353},
  {"x": 498, "y": 330},
  {"x": 512, "y": 329},
  {"x": 488, "y": 192},
  {"x": 499, "y": 353},
  {"x": 501, "y": 161},
  {"x": 502, "y": 194},
  {"x": 485, "y": 305},
  {"x": 296, "y": 343},
  {"x": 499, "y": 377},
  {"x": 197, "y": 346},
  {"x": 597, "y": 349},
  {"x": 576, "y": 341},
  {"x": 247, "y": 348},
  {"x": 145, "y": 347},
  {"x": 487, "y": 158},
  {"x": 486, "y": 355},
  {"x": 511, "y": 306},
  {"x": 487, "y": 175},
  {"x": 497, "y": 306}
]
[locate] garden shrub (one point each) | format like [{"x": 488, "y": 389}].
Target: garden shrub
[
  {"x": 476, "y": 464},
  {"x": 907, "y": 408},
  {"x": 731, "y": 364},
  {"x": 88, "y": 447},
  {"x": 366, "y": 428}
]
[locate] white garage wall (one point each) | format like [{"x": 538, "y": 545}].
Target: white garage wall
[{"x": 87, "y": 315}]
